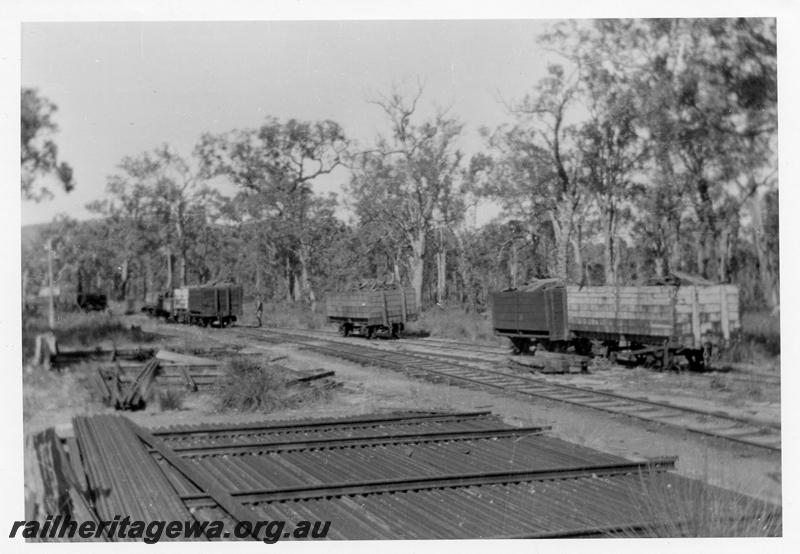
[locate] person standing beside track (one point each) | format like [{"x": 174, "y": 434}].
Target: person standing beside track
[{"x": 259, "y": 309}]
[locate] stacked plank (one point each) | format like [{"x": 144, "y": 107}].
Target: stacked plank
[
  {"x": 644, "y": 311},
  {"x": 52, "y": 483},
  {"x": 688, "y": 314},
  {"x": 707, "y": 311},
  {"x": 127, "y": 395}
]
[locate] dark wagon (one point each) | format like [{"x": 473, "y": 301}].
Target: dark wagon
[
  {"x": 206, "y": 305},
  {"x": 218, "y": 305},
  {"x": 652, "y": 323},
  {"x": 92, "y": 302},
  {"x": 373, "y": 311}
]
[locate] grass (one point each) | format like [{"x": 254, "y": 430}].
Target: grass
[
  {"x": 80, "y": 329},
  {"x": 50, "y": 395},
  {"x": 170, "y": 399},
  {"x": 286, "y": 315},
  {"x": 451, "y": 322},
  {"x": 759, "y": 340},
  {"x": 252, "y": 386},
  {"x": 455, "y": 323},
  {"x": 672, "y": 506}
]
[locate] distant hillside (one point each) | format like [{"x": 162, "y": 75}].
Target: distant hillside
[{"x": 32, "y": 234}]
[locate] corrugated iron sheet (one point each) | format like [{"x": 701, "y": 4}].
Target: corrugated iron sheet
[{"x": 416, "y": 476}]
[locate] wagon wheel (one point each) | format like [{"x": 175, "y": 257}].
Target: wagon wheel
[
  {"x": 520, "y": 345},
  {"x": 697, "y": 360},
  {"x": 648, "y": 360},
  {"x": 583, "y": 347},
  {"x": 708, "y": 351}
]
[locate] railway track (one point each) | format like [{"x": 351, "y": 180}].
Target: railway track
[
  {"x": 739, "y": 376},
  {"x": 446, "y": 344},
  {"x": 719, "y": 425}
]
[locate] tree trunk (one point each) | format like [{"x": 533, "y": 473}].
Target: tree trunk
[
  {"x": 578, "y": 253},
  {"x": 659, "y": 268},
  {"x": 463, "y": 268},
  {"x": 562, "y": 227},
  {"x": 305, "y": 281},
  {"x": 396, "y": 273},
  {"x": 182, "y": 271},
  {"x": 769, "y": 282},
  {"x": 416, "y": 264},
  {"x": 169, "y": 269},
  {"x": 708, "y": 230},
  {"x": 180, "y": 226},
  {"x": 148, "y": 277},
  {"x": 124, "y": 279},
  {"x": 288, "y": 276},
  {"x": 609, "y": 253},
  {"x": 723, "y": 254},
  {"x": 441, "y": 272},
  {"x": 513, "y": 264}
]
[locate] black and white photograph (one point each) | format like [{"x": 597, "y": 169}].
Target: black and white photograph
[{"x": 417, "y": 276}]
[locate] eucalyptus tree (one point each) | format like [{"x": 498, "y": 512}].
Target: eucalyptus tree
[
  {"x": 407, "y": 180},
  {"x": 534, "y": 166},
  {"x": 38, "y": 150},
  {"x": 277, "y": 165}
]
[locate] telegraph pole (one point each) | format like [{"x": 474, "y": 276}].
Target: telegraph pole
[{"x": 51, "y": 318}]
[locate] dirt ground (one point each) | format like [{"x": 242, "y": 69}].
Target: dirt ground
[{"x": 52, "y": 399}]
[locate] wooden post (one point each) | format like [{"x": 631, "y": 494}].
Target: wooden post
[
  {"x": 695, "y": 317},
  {"x": 403, "y": 306},
  {"x": 723, "y": 298},
  {"x": 665, "y": 361},
  {"x": 385, "y": 310},
  {"x": 51, "y": 316}
]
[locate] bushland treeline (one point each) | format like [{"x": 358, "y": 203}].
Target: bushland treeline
[{"x": 650, "y": 147}]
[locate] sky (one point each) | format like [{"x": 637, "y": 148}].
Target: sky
[{"x": 127, "y": 87}]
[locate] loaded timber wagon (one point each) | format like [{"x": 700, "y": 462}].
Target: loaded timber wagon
[
  {"x": 368, "y": 312},
  {"x": 654, "y": 324}
]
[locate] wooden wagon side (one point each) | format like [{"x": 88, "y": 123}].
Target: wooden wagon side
[
  {"x": 370, "y": 311},
  {"x": 526, "y": 315},
  {"x": 208, "y": 304},
  {"x": 660, "y": 321},
  {"x": 688, "y": 316}
]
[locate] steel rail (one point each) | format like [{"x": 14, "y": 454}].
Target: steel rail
[
  {"x": 417, "y": 341},
  {"x": 348, "y": 442},
  {"x": 332, "y": 423},
  {"x": 312, "y": 492}
]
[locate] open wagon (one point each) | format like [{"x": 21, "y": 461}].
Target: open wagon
[
  {"x": 372, "y": 311},
  {"x": 652, "y": 323},
  {"x": 218, "y": 305}
]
